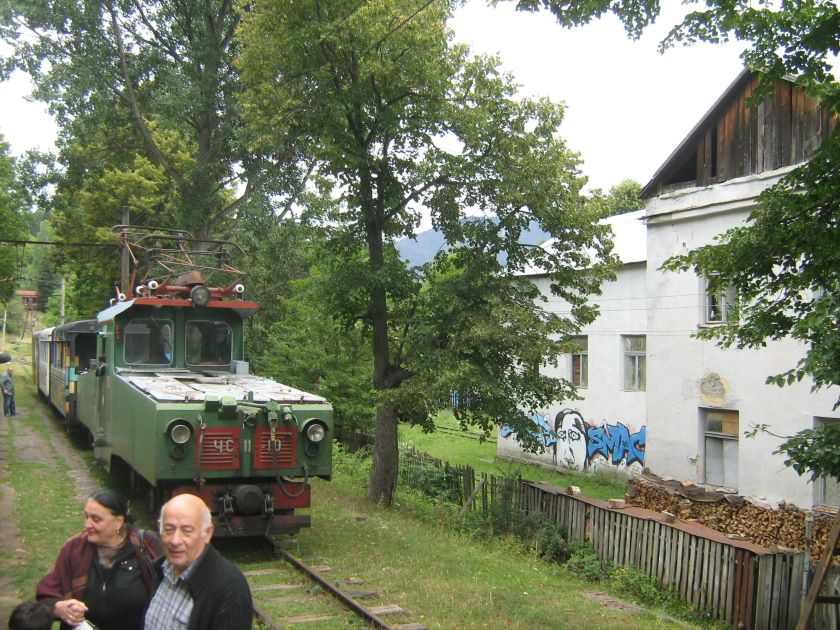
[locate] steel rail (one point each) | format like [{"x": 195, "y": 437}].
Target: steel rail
[{"x": 345, "y": 599}]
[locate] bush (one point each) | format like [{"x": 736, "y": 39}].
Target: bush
[
  {"x": 584, "y": 563},
  {"x": 635, "y": 583},
  {"x": 356, "y": 465},
  {"x": 439, "y": 483}
]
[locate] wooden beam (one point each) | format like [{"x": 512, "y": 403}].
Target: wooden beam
[{"x": 819, "y": 574}]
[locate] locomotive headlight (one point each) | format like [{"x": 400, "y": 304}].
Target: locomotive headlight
[
  {"x": 315, "y": 430},
  {"x": 200, "y": 295},
  {"x": 179, "y": 431}
]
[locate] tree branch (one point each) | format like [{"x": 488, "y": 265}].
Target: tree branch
[{"x": 132, "y": 100}]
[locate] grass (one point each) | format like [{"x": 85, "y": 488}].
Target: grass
[
  {"x": 445, "y": 578},
  {"x": 409, "y": 553},
  {"x": 481, "y": 455},
  {"x": 46, "y": 512}
]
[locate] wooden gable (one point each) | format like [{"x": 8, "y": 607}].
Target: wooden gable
[{"x": 733, "y": 140}]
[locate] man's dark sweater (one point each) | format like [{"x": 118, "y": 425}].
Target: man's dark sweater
[{"x": 221, "y": 596}]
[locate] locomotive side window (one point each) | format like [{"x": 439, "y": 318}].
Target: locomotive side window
[
  {"x": 148, "y": 340},
  {"x": 208, "y": 343}
]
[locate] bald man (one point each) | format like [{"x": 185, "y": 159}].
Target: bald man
[{"x": 199, "y": 589}]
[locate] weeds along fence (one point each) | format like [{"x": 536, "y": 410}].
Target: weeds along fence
[{"x": 735, "y": 581}]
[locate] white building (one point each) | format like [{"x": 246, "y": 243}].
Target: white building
[
  {"x": 606, "y": 427},
  {"x": 651, "y": 387}
]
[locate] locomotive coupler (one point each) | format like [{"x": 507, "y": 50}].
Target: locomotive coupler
[
  {"x": 225, "y": 505},
  {"x": 268, "y": 505}
]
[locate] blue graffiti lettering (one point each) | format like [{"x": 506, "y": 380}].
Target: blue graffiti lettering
[
  {"x": 614, "y": 442},
  {"x": 547, "y": 436}
]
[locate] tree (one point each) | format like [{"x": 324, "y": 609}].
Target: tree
[
  {"x": 401, "y": 122},
  {"x": 164, "y": 68},
  {"x": 621, "y": 199},
  {"x": 13, "y": 205},
  {"x": 784, "y": 263}
]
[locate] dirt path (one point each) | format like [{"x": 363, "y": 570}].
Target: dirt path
[{"x": 50, "y": 448}]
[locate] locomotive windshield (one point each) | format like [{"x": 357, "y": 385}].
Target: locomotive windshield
[
  {"x": 208, "y": 343},
  {"x": 148, "y": 340}
]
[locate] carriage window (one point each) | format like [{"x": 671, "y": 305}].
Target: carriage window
[
  {"x": 149, "y": 341},
  {"x": 208, "y": 343}
]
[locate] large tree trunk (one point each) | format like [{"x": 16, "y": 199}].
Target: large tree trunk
[{"x": 383, "y": 474}]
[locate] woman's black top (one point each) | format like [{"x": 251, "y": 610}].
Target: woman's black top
[{"x": 116, "y": 597}]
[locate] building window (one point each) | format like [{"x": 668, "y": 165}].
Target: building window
[
  {"x": 827, "y": 489},
  {"x": 721, "y": 304},
  {"x": 720, "y": 429},
  {"x": 580, "y": 362},
  {"x": 635, "y": 365}
]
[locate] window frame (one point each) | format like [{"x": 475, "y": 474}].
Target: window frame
[
  {"x": 724, "y": 438},
  {"x": 158, "y": 323},
  {"x": 820, "y": 482},
  {"x": 582, "y": 359},
  {"x": 724, "y": 299},
  {"x": 637, "y": 359}
]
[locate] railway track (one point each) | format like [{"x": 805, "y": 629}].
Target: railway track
[{"x": 283, "y": 601}]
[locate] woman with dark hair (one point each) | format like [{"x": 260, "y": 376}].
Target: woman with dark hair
[{"x": 103, "y": 575}]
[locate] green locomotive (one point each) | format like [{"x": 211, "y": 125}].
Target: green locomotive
[{"x": 170, "y": 395}]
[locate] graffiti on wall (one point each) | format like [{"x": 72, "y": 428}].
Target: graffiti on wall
[{"x": 586, "y": 445}]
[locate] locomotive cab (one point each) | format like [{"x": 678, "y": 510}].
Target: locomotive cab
[{"x": 173, "y": 398}]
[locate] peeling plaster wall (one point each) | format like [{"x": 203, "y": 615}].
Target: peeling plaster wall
[{"x": 686, "y": 376}]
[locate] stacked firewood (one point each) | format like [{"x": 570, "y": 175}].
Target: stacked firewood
[{"x": 739, "y": 518}]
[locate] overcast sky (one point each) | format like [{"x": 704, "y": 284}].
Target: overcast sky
[{"x": 628, "y": 106}]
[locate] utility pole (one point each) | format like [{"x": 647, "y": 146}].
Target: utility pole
[
  {"x": 61, "y": 312},
  {"x": 3, "y": 342}
]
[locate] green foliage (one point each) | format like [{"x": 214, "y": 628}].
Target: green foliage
[
  {"x": 440, "y": 482},
  {"x": 584, "y": 563},
  {"x": 13, "y": 206},
  {"x": 300, "y": 338},
  {"x": 621, "y": 199},
  {"x": 355, "y": 465},
  {"x": 546, "y": 539},
  {"x": 398, "y": 119},
  {"x": 635, "y": 14},
  {"x": 145, "y": 97},
  {"x": 814, "y": 451}
]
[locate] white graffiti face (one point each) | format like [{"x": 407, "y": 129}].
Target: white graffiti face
[{"x": 571, "y": 439}]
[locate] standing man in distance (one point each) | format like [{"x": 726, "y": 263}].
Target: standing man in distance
[
  {"x": 199, "y": 589},
  {"x": 7, "y": 384}
]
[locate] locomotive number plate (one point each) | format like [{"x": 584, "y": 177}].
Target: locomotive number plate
[
  {"x": 220, "y": 449},
  {"x": 282, "y": 451}
]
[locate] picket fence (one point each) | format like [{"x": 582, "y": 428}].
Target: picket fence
[{"x": 743, "y": 584}]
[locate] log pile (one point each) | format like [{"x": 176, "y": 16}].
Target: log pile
[{"x": 733, "y": 515}]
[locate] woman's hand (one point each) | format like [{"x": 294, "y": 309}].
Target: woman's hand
[{"x": 70, "y": 611}]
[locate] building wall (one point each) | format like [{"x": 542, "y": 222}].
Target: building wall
[
  {"x": 689, "y": 379},
  {"x": 607, "y": 427}
]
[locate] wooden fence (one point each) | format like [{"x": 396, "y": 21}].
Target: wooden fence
[{"x": 736, "y": 581}]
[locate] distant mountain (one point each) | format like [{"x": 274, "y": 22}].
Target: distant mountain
[{"x": 423, "y": 247}]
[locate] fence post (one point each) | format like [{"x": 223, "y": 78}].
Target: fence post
[{"x": 470, "y": 499}]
